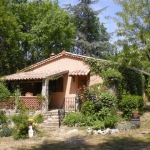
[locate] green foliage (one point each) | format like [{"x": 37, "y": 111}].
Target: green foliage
[
  {"x": 97, "y": 125},
  {"x": 110, "y": 121},
  {"x": 5, "y": 131},
  {"x": 111, "y": 76},
  {"x": 96, "y": 109},
  {"x": 4, "y": 93},
  {"x": 3, "y": 117},
  {"x": 98, "y": 66},
  {"x": 125, "y": 78},
  {"x": 130, "y": 103},
  {"x": 133, "y": 24},
  {"x": 72, "y": 118},
  {"x": 40, "y": 98},
  {"x": 21, "y": 123},
  {"x": 30, "y": 31},
  {"x": 105, "y": 99},
  {"x": 38, "y": 118},
  {"x": 88, "y": 108},
  {"x": 21, "y": 131},
  {"x": 92, "y": 38},
  {"x": 133, "y": 81},
  {"x": 9, "y": 32}
]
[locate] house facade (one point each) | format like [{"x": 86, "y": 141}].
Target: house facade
[{"x": 56, "y": 79}]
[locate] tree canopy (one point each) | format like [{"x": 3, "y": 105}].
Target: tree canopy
[
  {"x": 134, "y": 23},
  {"x": 30, "y": 31},
  {"x": 92, "y": 39}
]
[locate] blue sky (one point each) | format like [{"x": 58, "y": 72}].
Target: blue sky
[{"x": 110, "y": 11}]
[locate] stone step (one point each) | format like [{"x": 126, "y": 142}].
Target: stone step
[
  {"x": 51, "y": 120},
  {"x": 55, "y": 124},
  {"x": 48, "y": 126}
]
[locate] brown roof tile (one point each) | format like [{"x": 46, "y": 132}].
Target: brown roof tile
[
  {"x": 79, "y": 72},
  {"x": 34, "y": 75}
]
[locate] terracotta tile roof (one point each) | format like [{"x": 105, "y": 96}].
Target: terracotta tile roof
[
  {"x": 34, "y": 75},
  {"x": 63, "y": 53},
  {"x": 79, "y": 72}
]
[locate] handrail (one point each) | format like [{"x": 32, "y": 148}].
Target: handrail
[{"x": 61, "y": 111}]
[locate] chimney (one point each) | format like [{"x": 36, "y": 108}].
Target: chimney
[{"x": 52, "y": 54}]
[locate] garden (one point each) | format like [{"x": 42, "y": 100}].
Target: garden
[
  {"x": 17, "y": 124},
  {"x": 100, "y": 106},
  {"x": 103, "y": 106}
]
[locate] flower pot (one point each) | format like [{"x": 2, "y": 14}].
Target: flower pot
[
  {"x": 135, "y": 114},
  {"x": 29, "y": 94}
]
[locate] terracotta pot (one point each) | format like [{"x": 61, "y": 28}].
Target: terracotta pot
[
  {"x": 29, "y": 94},
  {"x": 135, "y": 114}
]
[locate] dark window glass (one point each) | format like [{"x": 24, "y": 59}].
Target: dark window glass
[{"x": 56, "y": 85}]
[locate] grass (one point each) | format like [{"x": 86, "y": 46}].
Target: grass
[{"x": 58, "y": 139}]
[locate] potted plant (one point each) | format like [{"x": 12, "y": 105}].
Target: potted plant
[
  {"x": 29, "y": 94},
  {"x": 135, "y": 113}
]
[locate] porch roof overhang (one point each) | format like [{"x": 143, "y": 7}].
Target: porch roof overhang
[
  {"x": 79, "y": 72},
  {"x": 35, "y": 75}
]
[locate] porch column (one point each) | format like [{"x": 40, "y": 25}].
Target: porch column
[{"x": 45, "y": 94}]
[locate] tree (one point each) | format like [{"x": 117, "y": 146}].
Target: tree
[
  {"x": 9, "y": 35},
  {"x": 92, "y": 38},
  {"x": 134, "y": 23},
  {"x": 45, "y": 28},
  {"x": 30, "y": 31}
]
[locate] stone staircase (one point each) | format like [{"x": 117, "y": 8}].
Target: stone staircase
[{"x": 51, "y": 119}]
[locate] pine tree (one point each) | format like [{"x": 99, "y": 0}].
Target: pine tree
[{"x": 92, "y": 38}]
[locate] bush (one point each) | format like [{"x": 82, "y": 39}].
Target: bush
[
  {"x": 88, "y": 108},
  {"x": 130, "y": 103},
  {"x": 38, "y": 118},
  {"x": 21, "y": 131},
  {"x": 3, "y": 117},
  {"x": 5, "y": 132},
  {"x": 104, "y": 112},
  {"x": 72, "y": 118},
  {"x": 21, "y": 122},
  {"x": 110, "y": 121},
  {"x": 98, "y": 125},
  {"x": 4, "y": 93},
  {"x": 105, "y": 99},
  {"x": 111, "y": 75}
]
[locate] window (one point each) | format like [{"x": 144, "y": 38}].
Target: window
[{"x": 56, "y": 85}]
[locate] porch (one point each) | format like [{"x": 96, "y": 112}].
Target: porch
[{"x": 33, "y": 103}]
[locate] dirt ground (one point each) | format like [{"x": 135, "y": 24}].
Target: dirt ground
[{"x": 66, "y": 138}]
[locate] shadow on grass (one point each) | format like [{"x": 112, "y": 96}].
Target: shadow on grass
[
  {"x": 147, "y": 108},
  {"x": 95, "y": 142}
]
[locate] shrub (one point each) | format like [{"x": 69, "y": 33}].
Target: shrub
[
  {"x": 98, "y": 125},
  {"x": 130, "y": 103},
  {"x": 104, "y": 112},
  {"x": 105, "y": 99},
  {"x": 4, "y": 93},
  {"x": 5, "y": 132},
  {"x": 110, "y": 121},
  {"x": 21, "y": 129},
  {"x": 111, "y": 75},
  {"x": 88, "y": 108},
  {"x": 38, "y": 118},
  {"x": 72, "y": 118},
  {"x": 3, "y": 117}
]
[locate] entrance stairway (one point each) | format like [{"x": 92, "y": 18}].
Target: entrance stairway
[{"x": 51, "y": 119}]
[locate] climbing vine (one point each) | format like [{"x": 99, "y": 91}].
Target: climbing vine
[{"x": 126, "y": 79}]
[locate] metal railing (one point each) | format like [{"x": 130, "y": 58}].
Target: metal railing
[
  {"x": 70, "y": 104},
  {"x": 61, "y": 111},
  {"x": 67, "y": 104}
]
